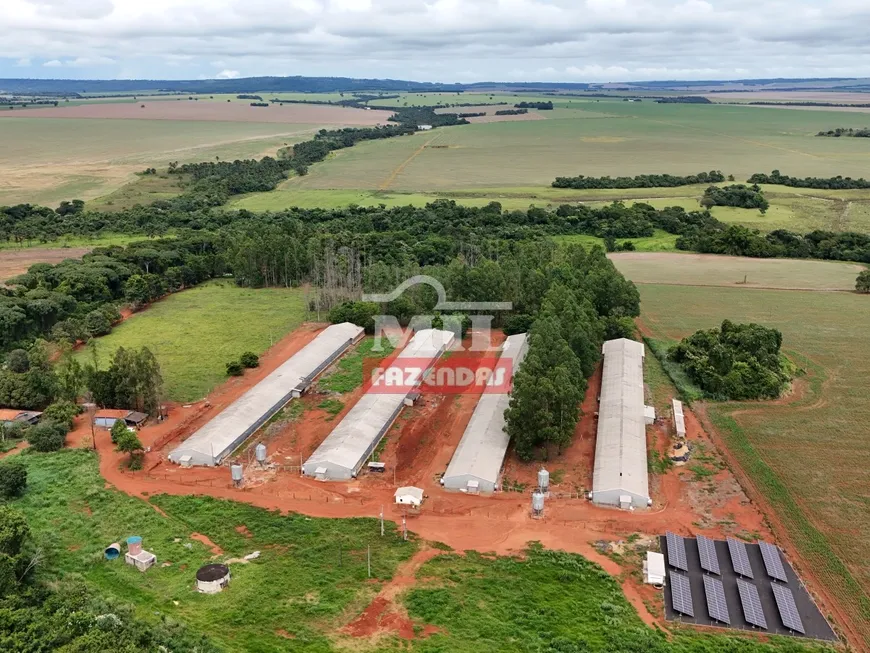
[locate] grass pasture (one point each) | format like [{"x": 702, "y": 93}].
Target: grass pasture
[
  {"x": 734, "y": 271},
  {"x": 808, "y": 454},
  {"x": 194, "y": 333}
]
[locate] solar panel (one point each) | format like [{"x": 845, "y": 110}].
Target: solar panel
[
  {"x": 716, "y": 605},
  {"x": 739, "y": 557},
  {"x": 707, "y": 549},
  {"x": 677, "y": 551},
  {"x": 772, "y": 561},
  {"x": 751, "y": 604},
  {"x": 787, "y": 608},
  {"x": 681, "y": 594}
]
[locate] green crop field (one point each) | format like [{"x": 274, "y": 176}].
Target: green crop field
[
  {"x": 311, "y": 577},
  {"x": 196, "y": 332},
  {"x": 733, "y": 271},
  {"x": 807, "y": 455}
]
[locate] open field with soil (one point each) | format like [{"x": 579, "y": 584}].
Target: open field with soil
[
  {"x": 600, "y": 138},
  {"x": 17, "y": 261},
  {"x": 195, "y": 333},
  {"x": 806, "y": 455},
  {"x": 734, "y": 271}
]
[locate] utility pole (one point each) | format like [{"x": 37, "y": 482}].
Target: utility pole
[
  {"x": 369, "y": 557},
  {"x": 404, "y": 528},
  {"x": 339, "y": 555},
  {"x": 382, "y": 520}
]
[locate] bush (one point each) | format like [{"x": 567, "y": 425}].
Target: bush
[
  {"x": 249, "y": 359},
  {"x": 17, "y": 361},
  {"x": 119, "y": 428},
  {"x": 47, "y": 436},
  {"x": 13, "y": 479},
  {"x": 862, "y": 284},
  {"x": 62, "y": 412},
  {"x": 234, "y": 368}
]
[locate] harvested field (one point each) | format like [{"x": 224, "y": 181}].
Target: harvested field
[
  {"x": 16, "y": 261},
  {"x": 805, "y": 455},
  {"x": 531, "y": 115},
  {"x": 739, "y": 272},
  {"x": 839, "y": 97},
  {"x": 235, "y": 111}
]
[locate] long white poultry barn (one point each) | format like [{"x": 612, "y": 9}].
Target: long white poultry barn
[
  {"x": 341, "y": 455},
  {"x": 237, "y": 422},
  {"x": 477, "y": 461},
  {"x": 620, "y": 474}
]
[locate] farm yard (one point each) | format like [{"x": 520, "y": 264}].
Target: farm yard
[{"x": 805, "y": 455}]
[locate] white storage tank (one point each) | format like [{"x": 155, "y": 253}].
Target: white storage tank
[
  {"x": 211, "y": 579},
  {"x": 543, "y": 481},
  {"x": 260, "y": 453},
  {"x": 236, "y": 474}
]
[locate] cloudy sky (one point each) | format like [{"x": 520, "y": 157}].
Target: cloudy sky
[{"x": 436, "y": 40}]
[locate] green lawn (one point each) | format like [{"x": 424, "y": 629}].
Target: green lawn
[
  {"x": 661, "y": 241},
  {"x": 102, "y": 240},
  {"x": 194, "y": 333},
  {"x": 808, "y": 456}
]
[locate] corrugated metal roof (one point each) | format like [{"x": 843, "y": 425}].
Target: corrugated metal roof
[
  {"x": 480, "y": 454},
  {"x": 210, "y": 444},
  {"x": 112, "y": 413},
  {"x": 9, "y": 414},
  {"x": 345, "y": 450},
  {"x": 679, "y": 418},
  {"x": 620, "y": 448}
]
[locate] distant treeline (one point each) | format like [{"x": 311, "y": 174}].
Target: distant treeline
[
  {"x": 831, "y": 183},
  {"x": 805, "y": 104},
  {"x": 259, "y": 104},
  {"x": 540, "y": 106},
  {"x": 846, "y": 131},
  {"x": 511, "y": 112},
  {"x": 738, "y": 195},
  {"x": 245, "y": 96},
  {"x": 639, "y": 181},
  {"x": 685, "y": 99},
  {"x": 471, "y": 115}
]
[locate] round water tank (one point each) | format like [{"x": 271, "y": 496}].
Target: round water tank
[
  {"x": 236, "y": 473},
  {"x": 113, "y": 551},
  {"x": 260, "y": 453},
  {"x": 543, "y": 480},
  {"x": 211, "y": 579},
  {"x": 538, "y": 502},
  {"x": 134, "y": 545}
]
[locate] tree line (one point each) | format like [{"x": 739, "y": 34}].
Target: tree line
[
  {"x": 540, "y": 106},
  {"x": 737, "y": 195},
  {"x": 511, "y": 112},
  {"x": 831, "y": 183},
  {"x": 685, "y": 99},
  {"x": 846, "y": 131},
  {"x": 639, "y": 181}
]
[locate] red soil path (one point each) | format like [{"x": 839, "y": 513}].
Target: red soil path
[{"x": 419, "y": 448}]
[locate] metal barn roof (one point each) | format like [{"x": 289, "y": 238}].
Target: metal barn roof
[
  {"x": 220, "y": 436},
  {"x": 346, "y": 449},
  {"x": 481, "y": 452},
  {"x": 620, "y": 448}
]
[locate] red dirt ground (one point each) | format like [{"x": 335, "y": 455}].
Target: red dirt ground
[
  {"x": 16, "y": 261},
  {"x": 214, "y": 548},
  {"x": 235, "y": 111},
  {"x": 419, "y": 449}
]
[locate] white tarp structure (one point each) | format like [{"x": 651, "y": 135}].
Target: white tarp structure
[
  {"x": 238, "y": 421},
  {"x": 654, "y": 568},
  {"x": 620, "y": 449},
  {"x": 409, "y": 496},
  {"x": 341, "y": 455},
  {"x": 679, "y": 418},
  {"x": 477, "y": 461}
]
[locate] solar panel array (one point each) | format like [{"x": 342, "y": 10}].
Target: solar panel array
[
  {"x": 677, "y": 551},
  {"x": 716, "y": 605},
  {"x": 681, "y": 594},
  {"x": 709, "y": 559},
  {"x": 751, "y": 603},
  {"x": 739, "y": 557},
  {"x": 772, "y": 561},
  {"x": 787, "y": 607}
]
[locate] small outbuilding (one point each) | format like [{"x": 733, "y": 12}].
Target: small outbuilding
[
  {"x": 106, "y": 418},
  {"x": 9, "y": 416},
  {"x": 409, "y": 496},
  {"x": 212, "y": 579},
  {"x": 654, "y": 569},
  {"x": 649, "y": 415}
]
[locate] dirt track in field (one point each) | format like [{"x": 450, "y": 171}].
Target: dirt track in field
[
  {"x": 235, "y": 111},
  {"x": 16, "y": 261}
]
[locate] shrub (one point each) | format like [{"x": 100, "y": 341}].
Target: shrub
[
  {"x": 17, "y": 361},
  {"x": 234, "y": 368},
  {"x": 862, "y": 284},
  {"x": 62, "y": 412},
  {"x": 13, "y": 479},
  {"x": 47, "y": 436},
  {"x": 119, "y": 428},
  {"x": 249, "y": 359}
]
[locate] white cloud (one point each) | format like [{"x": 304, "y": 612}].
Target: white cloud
[
  {"x": 228, "y": 74},
  {"x": 441, "y": 40},
  {"x": 24, "y": 62}
]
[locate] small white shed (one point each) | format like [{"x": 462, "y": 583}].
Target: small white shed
[
  {"x": 649, "y": 415},
  {"x": 409, "y": 496},
  {"x": 654, "y": 568}
]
